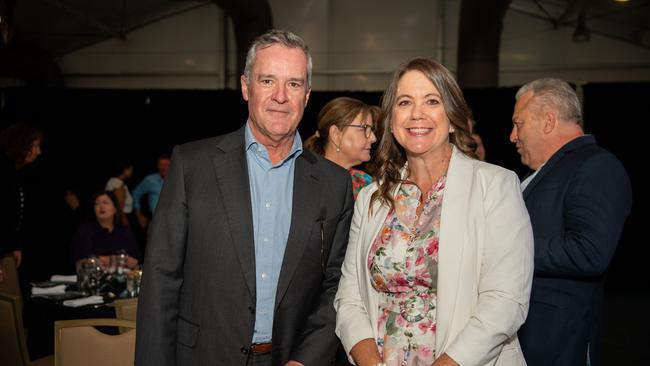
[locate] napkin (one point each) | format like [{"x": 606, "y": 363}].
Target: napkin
[
  {"x": 54, "y": 290},
  {"x": 95, "y": 299},
  {"x": 62, "y": 278}
]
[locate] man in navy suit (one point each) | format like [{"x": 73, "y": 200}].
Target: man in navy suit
[{"x": 578, "y": 198}]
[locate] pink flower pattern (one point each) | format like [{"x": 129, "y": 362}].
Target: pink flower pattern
[{"x": 403, "y": 261}]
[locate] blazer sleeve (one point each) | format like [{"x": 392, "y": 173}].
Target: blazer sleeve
[
  {"x": 505, "y": 277},
  {"x": 353, "y": 322},
  {"x": 318, "y": 343},
  {"x": 594, "y": 210},
  {"x": 162, "y": 274}
]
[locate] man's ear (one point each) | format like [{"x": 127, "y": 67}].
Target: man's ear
[
  {"x": 549, "y": 122},
  {"x": 244, "y": 87}
]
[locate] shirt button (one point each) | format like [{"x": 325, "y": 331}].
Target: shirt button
[
  {"x": 266, "y": 240},
  {"x": 268, "y": 204},
  {"x": 264, "y": 276}
]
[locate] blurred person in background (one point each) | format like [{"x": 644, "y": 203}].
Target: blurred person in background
[
  {"x": 20, "y": 145},
  {"x": 149, "y": 188},
  {"x": 122, "y": 170},
  {"x": 105, "y": 234},
  {"x": 345, "y": 135}
]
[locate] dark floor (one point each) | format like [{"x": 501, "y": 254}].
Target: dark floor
[{"x": 626, "y": 338}]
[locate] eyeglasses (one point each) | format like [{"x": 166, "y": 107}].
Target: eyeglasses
[{"x": 368, "y": 130}]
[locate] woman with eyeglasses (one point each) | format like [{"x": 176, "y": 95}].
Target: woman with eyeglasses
[{"x": 345, "y": 136}]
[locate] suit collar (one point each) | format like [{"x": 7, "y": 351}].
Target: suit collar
[
  {"x": 569, "y": 147},
  {"x": 304, "y": 212},
  {"x": 231, "y": 171}
]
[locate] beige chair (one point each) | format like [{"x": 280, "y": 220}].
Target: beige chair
[
  {"x": 126, "y": 309},
  {"x": 10, "y": 285},
  {"x": 13, "y": 349},
  {"x": 77, "y": 342}
]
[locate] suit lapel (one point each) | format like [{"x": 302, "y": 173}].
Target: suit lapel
[
  {"x": 452, "y": 243},
  {"x": 231, "y": 172},
  {"x": 306, "y": 193}
]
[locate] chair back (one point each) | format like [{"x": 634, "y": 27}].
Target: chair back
[
  {"x": 13, "y": 349},
  {"x": 77, "y": 342},
  {"x": 126, "y": 309},
  {"x": 10, "y": 285}
]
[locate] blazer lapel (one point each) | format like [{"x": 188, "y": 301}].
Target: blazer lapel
[
  {"x": 231, "y": 172},
  {"x": 306, "y": 193},
  {"x": 452, "y": 243}
]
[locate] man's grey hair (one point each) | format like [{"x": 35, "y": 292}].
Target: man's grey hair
[
  {"x": 556, "y": 94},
  {"x": 273, "y": 37}
]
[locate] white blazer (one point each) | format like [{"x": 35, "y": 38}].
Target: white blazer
[{"x": 484, "y": 273}]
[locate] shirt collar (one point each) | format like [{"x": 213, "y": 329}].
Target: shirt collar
[{"x": 251, "y": 144}]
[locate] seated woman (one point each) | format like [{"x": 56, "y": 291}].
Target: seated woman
[
  {"x": 105, "y": 235},
  {"x": 345, "y": 136}
]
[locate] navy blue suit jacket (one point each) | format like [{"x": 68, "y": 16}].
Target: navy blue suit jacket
[{"x": 578, "y": 203}]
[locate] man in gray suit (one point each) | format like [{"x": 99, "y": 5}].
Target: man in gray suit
[{"x": 249, "y": 234}]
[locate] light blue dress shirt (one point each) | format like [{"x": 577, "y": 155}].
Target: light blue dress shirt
[
  {"x": 150, "y": 186},
  {"x": 271, "y": 189}
]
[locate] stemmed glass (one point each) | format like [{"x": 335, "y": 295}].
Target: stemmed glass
[{"x": 96, "y": 271}]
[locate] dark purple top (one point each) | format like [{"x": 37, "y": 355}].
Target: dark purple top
[{"x": 92, "y": 239}]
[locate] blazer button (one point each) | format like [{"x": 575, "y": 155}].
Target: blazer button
[
  {"x": 250, "y": 308},
  {"x": 244, "y": 350}
]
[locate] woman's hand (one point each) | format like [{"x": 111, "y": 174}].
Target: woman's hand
[{"x": 365, "y": 353}]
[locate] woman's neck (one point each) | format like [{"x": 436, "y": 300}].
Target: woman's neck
[
  {"x": 337, "y": 157},
  {"x": 424, "y": 171}
]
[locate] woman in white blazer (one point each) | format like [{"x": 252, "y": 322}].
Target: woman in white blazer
[{"x": 441, "y": 278}]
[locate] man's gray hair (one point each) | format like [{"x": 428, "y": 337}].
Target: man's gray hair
[
  {"x": 557, "y": 94},
  {"x": 273, "y": 37}
]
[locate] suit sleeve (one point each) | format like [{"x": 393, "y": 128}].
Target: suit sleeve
[
  {"x": 318, "y": 343},
  {"x": 594, "y": 210},
  {"x": 162, "y": 274},
  {"x": 505, "y": 276}
]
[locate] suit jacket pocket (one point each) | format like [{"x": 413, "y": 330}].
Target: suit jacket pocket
[{"x": 187, "y": 333}]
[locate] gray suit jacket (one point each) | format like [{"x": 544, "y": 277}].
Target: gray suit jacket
[{"x": 197, "y": 301}]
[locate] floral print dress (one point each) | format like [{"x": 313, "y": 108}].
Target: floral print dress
[
  {"x": 403, "y": 261},
  {"x": 360, "y": 179}
]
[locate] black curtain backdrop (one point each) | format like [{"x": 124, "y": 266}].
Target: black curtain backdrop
[{"x": 86, "y": 130}]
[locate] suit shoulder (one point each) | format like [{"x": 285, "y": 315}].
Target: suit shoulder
[{"x": 326, "y": 166}]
